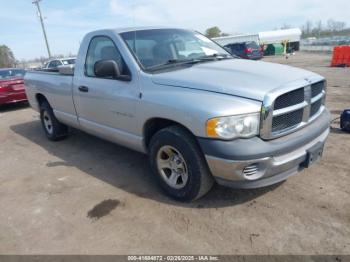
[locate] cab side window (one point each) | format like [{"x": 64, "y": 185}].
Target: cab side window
[{"x": 103, "y": 48}]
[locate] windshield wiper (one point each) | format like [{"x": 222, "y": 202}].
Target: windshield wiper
[
  {"x": 192, "y": 61},
  {"x": 174, "y": 62},
  {"x": 216, "y": 57}
]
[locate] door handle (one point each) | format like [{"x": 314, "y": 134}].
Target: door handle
[{"x": 84, "y": 89}]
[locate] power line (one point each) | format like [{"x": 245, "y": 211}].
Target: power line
[{"x": 36, "y": 2}]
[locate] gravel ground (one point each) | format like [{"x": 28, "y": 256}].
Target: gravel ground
[{"x": 87, "y": 196}]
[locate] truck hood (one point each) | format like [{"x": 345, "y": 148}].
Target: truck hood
[{"x": 238, "y": 77}]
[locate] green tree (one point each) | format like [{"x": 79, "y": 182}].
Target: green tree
[
  {"x": 7, "y": 58},
  {"x": 213, "y": 32}
]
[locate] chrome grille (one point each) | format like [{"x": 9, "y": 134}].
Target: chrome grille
[
  {"x": 285, "y": 112},
  {"x": 290, "y": 99},
  {"x": 288, "y": 120},
  {"x": 317, "y": 88},
  {"x": 315, "y": 107}
]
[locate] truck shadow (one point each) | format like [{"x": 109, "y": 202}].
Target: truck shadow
[{"x": 123, "y": 168}]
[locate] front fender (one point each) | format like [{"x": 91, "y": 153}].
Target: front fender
[{"x": 191, "y": 107}]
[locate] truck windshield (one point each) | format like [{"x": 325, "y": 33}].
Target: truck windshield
[{"x": 159, "y": 48}]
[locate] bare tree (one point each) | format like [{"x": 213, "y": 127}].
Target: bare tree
[
  {"x": 319, "y": 27},
  {"x": 335, "y": 26},
  {"x": 308, "y": 27},
  {"x": 331, "y": 28},
  {"x": 286, "y": 26}
]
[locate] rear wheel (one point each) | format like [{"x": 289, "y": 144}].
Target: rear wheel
[
  {"x": 54, "y": 130},
  {"x": 179, "y": 164}
]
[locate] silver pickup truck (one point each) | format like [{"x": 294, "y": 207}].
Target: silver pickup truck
[{"x": 200, "y": 114}]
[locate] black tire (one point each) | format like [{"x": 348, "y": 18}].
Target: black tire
[
  {"x": 199, "y": 179},
  {"x": 54, "y": 131}
]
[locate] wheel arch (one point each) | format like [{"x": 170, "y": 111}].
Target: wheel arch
[
  {"x": 153, "y": 125},
  {"x": 40, "y": 98}
]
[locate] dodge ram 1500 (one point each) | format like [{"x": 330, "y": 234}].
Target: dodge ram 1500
[{"x": 200, "y": 114}]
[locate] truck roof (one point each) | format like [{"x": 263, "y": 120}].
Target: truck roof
[{"x": 131, "y": 29}]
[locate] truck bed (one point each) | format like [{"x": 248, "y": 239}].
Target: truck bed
[{"x": 56, "y": 87}]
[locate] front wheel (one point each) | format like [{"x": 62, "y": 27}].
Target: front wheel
[
  {"x": 179, "y": 164},
  {"x": 54, "y": 130}
]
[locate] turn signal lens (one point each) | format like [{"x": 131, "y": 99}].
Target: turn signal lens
[{"x": 211, "y": 126}]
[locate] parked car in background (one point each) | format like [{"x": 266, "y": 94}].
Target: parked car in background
[
  {"x": 246, "y": 50},
  {"x": 55, "y": 63},
  {"x": 12, "y": 86}
]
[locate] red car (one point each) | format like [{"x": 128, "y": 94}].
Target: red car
[{"x": 12, "y": 86}]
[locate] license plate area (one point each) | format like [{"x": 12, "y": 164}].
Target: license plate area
[{"x": 313, "y": 154}]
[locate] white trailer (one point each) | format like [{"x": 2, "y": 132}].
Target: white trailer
[{"x": 280, "y": 36}]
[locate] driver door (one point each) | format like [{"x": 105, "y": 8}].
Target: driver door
[{"x": 105, "y": 106}]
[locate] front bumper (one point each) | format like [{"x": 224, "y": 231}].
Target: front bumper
[{"x": 266, "y": 162}]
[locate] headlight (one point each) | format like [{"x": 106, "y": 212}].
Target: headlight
[{"x": 231, "y": 127}]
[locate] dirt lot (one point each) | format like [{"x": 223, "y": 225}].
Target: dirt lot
[{"x": 87, "y": 196}]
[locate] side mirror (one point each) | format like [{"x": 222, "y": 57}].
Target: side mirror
[{"x": 107, "y": 69}]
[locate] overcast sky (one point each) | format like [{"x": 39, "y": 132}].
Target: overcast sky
[{"x": 68, "y": 20}]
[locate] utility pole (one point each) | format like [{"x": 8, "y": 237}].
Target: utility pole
[{"x": 36, "y": 2}]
